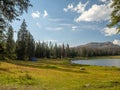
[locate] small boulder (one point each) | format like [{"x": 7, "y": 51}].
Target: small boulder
[
  {"x": 82, "y": 68},
  {"x": 87, "y": 85}
]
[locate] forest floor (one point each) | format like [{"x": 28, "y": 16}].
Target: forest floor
[{"x": 57, "y": 74}]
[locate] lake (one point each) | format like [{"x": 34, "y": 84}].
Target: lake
[{"x": 99, "y": 62}]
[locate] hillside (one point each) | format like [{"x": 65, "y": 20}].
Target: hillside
[
  {"x": 97, "y": 49},
  {"x": 100, "y": 45}
]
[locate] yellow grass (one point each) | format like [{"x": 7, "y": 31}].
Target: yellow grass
[{"x": 57, "y": 75}]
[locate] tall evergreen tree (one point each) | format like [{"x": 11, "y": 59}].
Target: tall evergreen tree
[
  {"x": 2, "y": 36},
  {"x": 63, "y": 51},
  {"x": 22, "y": 41},
  {"x": 10, "y": 45},
  {"x": 51, "y": 49},
  {"x": 25, "y": 48},
  {"x": 2, "y": 30},
  {"x": 67, "y": 51},
  {"x": 55, "y": 51},
  {"x": 30, "y": 46},
  {"x": 38, "y": 49}
]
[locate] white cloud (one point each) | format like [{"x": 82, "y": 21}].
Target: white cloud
[
  {"x": 35, "y": 14},
  {"x": 69, "y": 7},
  {"x": 45, "y": 13},
  {"x": 116, "y": 42},
  {"x": 110, "y": 31},
  {"x": 54, "y": 28},
  {"x": 65, "y": 9},
  {"x": 80, "y": 7},
  {"x": 95, "y": 13}
]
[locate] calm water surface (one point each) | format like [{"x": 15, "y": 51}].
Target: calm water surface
[{"x": 99, "y": 62}]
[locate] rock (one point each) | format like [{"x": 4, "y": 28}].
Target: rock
[
  {"x": 82, "y": 68},
  {"x": 87, "y": 85}
]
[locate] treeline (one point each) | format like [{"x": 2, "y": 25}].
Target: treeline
[
  {"x": 90, "y": 52},
  {"x": 25, "y": 47},
  {"x": 49, "y": 50}
]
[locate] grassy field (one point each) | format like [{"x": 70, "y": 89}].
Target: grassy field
[{"x": 57, "y": 75}]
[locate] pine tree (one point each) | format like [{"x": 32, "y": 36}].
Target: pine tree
[
  {"x": 25, "y": 43},
  {"x": 22, "y": 42},
  {"x": 67, "y": 51},
  {"x": 51, "y": 49},
  {"x": 30, "y": 46},
  {"x": 47, "y": 50},
  {"x": 63, "y": 51},
  {"x": 55, "y": 51},
  {"x": 2, "y": 36},
  {"x": 38, "y": 49},
  {"x": 10, "y": 44},
  {"x": 2, "y": 30}
]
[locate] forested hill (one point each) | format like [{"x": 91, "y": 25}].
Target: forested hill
[
  {"x": 100, "y": 45},
  {"x": 97, "y": 49}
]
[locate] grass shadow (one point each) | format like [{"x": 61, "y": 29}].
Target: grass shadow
[
  {"x": 50, "y": 66},
  {"x": 5, "y": 70}
]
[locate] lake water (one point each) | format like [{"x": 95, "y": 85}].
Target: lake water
[{"x": 99, "y": 62}]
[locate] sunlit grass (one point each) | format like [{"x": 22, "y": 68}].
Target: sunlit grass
[{"x": 57, "y": 75}]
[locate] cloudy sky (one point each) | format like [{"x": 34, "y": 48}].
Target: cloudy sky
[{"x": 75, "y": 22}]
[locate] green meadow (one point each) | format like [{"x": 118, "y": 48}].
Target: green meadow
[{"x": 57, "y": 75}]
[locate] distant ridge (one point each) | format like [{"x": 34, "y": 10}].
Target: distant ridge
[{"x": 100, "y": 45}]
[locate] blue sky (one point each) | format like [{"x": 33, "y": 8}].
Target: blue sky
[{"x": 75, "y": 22}]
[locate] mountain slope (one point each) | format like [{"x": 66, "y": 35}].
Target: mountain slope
[{"x": 100, "y": 45}]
